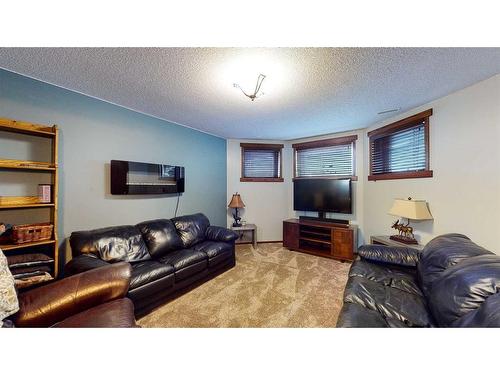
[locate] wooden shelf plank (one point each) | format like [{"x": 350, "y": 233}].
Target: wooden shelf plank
[
  {"x": 32, "y": 205},
  {"x": 316, "y": 233},
  {"x": 26, "y": 164},
  {"x": 26, "y": 128},
  {"x": 315, "y": 240},
  {"x": 7, "y": 247}
]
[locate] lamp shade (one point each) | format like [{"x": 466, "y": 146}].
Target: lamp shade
[
  {"x": 236, "y": 202},
  {"x": 410, "y": 209}
]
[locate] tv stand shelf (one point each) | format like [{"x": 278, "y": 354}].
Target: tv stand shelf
[
  {"x": 306, "y": 232},
  {"x": 315, "y": 237},
  {"x": 315, "y": 240}
]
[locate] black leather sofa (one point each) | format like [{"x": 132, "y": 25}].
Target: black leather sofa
[
  {"x": 452, "y": 282},
  {"x": 167, "y": 257}
]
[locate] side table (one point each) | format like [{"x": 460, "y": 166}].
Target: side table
[
  {"x": 246, "y": 228},
  {"x": 385, "y": 240}
]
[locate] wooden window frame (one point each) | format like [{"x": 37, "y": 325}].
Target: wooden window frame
[
  {"x": 261, "y": 146},
  {"x": 403, "y": 124},
  {"x": 350, "y": 139}
]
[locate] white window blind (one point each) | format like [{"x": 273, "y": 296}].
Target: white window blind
[
  {"x": 337, "y": 160},
  {"x": 401, "y": 151},
  {"x": 261, "y": 163}
]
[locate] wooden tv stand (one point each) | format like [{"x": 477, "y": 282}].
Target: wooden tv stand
[{"x": 325, "y": 239}]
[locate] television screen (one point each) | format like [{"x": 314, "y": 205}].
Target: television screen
[{"x": 322, "y": 195}]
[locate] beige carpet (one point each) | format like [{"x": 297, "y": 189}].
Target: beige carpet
[{"x": 269, "y": 287}]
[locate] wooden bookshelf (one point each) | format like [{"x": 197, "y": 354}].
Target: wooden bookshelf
[{"x": 45, "y": 131}]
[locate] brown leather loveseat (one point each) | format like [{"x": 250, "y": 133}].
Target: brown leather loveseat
[{"x": 94, "y": 298}]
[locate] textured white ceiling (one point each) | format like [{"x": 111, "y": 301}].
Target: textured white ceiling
[{"x": 308, "y": 91}]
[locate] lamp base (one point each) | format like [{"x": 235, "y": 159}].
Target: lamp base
[
  {"x": 403, "y": 239},
  {"x": 236, "y": 225}
]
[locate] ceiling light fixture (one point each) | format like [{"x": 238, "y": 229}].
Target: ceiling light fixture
[{"x": 258, "y": 85}]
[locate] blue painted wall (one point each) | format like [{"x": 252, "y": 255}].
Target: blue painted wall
[{"x": 92, "y": 133}]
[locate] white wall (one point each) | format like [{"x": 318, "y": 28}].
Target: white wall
[
  {"x": 464, "y": 194},
  {"x": 267, "y": 203},
  {"x": 357, "y": 186}
]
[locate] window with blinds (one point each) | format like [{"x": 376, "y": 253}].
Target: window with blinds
[
  {"x": 325, "y": 158},
  {"x": 401, "y": 149},
  {"x": 261, "y": 162}
]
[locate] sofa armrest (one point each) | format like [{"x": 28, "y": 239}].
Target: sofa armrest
[
  {"x": 399, "y": 255},
  {"x": 52, "y": 303},
  {"x": 214, "y": 233},
  {"x": 82, "y": 263}
]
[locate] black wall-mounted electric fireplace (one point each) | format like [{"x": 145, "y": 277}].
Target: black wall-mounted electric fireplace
[{"x": 130, "y": 177}]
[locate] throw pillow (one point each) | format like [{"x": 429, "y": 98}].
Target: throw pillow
[{"x": 8, "y": 297}]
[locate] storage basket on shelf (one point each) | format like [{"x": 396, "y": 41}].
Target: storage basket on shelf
[{"x": 31, "y": 232}]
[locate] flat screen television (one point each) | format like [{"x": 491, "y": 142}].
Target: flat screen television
[{"x": 322, "y": 195}]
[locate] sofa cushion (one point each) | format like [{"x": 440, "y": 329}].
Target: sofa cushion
[
  {"x": 353, "y": 315},
  {"x": 442, "y": 253},
  {"x": 391, "y": 303},
  {"x": 191, "y": 228},
  {"x": 144, "y": 293},
  {"x": 147, "y": 272},
  {"x": 215, "y": 233},
  {"x": 216, "y": 251},
  {"x": 464, "y": 288},
  {"x": 186, "y": 262},
  {"x": 115, "y": 314},
  {"x": 8, "y": 296},
  {"x": 398, "y": 255},
  {"x": 160, "y": 236},
  {"x": 398, "y": 278},
  {"x": 487, "y": 315},
  {"x": 113, "y": 244},
  {"x": 82, "y": 263}
]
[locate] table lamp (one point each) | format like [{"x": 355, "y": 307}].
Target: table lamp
[
  {"x": 408, "y": 209},
  {"x": 236, "y": 203}
]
